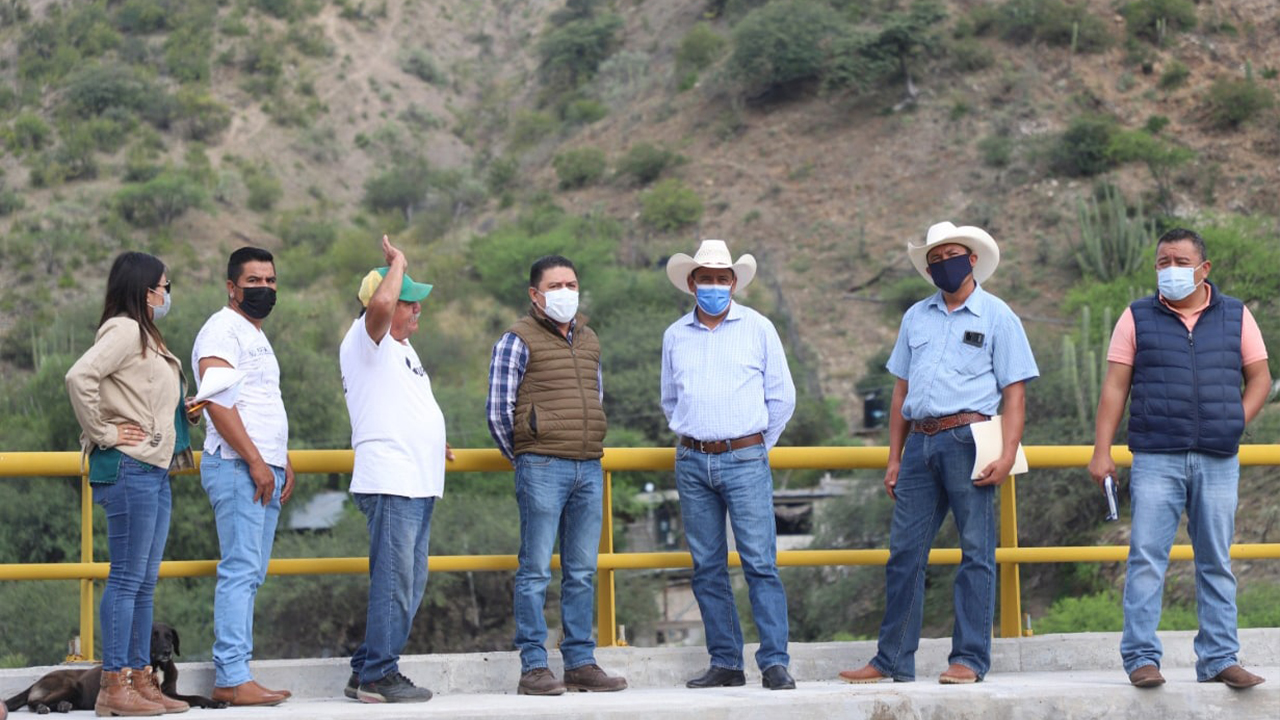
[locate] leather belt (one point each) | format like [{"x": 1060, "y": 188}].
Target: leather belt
[
  {"x": 715, "y": 447},
  {"x": 933, "y": 426}
]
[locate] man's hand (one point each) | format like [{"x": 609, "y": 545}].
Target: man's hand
[
  {"x": 448, "y": 452},
  {"x": 287, "y": 492},
  {"x": 891, "y": 477},
  {"x": 1101, "y": 465},
  {"x": 391, "y": 253},
  {"x": 264, "y": 481},
  {"x": 995, "y": 473}
]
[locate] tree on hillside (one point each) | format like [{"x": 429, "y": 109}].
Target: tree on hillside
[{"x": 904, "y": 36}]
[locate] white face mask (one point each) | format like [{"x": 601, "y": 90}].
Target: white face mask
[
  {"x": 159, "y": 311},
  {"x": 562, "y": 304}
]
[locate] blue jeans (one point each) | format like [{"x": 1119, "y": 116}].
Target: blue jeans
[
  {"x": 557, "y": 498},
  {"x": 933, "y": 478},
  {"x": 246, "y": 531},
  {"x": 399, "y": 531},
  {"x": 138, "y": 506},
  {"x": 740, "y": 483},
  {"x": 1161, "y": 486}
]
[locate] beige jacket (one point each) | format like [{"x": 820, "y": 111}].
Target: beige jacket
[{"x": 113, "y": 383}]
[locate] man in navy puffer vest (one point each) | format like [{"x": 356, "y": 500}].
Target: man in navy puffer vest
[{"x": 1183, "y": 354}]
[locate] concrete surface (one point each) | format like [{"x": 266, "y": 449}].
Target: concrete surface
[{"x": 1054, "y": 676}]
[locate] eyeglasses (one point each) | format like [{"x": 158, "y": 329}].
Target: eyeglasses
[{"x": 166, "y": 287}]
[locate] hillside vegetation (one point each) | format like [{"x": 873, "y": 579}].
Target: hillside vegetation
[{"x": 816, "y": 134}]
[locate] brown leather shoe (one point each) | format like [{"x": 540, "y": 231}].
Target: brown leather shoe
[
  {"x": 265, "y": 689},
  {"x": 247, "y": 694},
  {"x": 867, "y": 674},
  {"x": 590, "y": 678},
  {"x": 1238, "y": 678},
  {"x": 117, "y": 697},
  {"x": 958, "y": 674},
  {"x": 539, "y": 681},
  {"x": 1147, "y": 676},
  {"x": 148, "y": 686}
]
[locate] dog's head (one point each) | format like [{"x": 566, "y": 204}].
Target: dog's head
[{"x": 164, "y": 644}]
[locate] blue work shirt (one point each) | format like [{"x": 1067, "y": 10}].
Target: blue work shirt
[
  {"x": 728, "y": 382},
  {"x": 960, "y": 360}
]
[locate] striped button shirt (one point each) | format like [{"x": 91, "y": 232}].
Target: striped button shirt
[
  {"x": 506, "y": 371},
  {"x": 961, "y": 360},
  {"x": 728, "y": 382}
]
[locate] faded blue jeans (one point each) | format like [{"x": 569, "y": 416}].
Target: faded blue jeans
[
  {"x": 558, "y": 499},
  {"x": 740, "y": 483},
  {"x": 934, "y": 478},
  {"x": 399, "y": 533},
  {"x": 246, "y": 532},
  {"x": 1161, "y": 486},
  {"x": 138, "y": 506}
]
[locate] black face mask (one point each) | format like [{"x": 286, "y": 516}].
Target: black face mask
[
  {"x": 949, "y": 275},
  {"x": 258, "y": 301}
]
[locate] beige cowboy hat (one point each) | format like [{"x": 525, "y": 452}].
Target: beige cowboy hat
[
  {"x": 711, "y": 254},
  {"x": 975, "y": 238}
]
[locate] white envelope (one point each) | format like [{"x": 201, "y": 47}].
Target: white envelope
[
  {"x": 220, "y": 385},
  {"x": 988, "y": 437}
]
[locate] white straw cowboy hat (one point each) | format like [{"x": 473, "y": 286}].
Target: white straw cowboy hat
[
  {"x": 974, "y": 238},
  {"x": 711, "y": 254}
]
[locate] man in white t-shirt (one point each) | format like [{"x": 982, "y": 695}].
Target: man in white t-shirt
[
  {"x": 245, "y": 467},
  {"x": 398, "y": 434}
]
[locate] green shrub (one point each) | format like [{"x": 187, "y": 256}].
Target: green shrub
[
  {"x": 420, "y": 64},
  {"x": 501, "y": 175},
  {"x": 579, "y": 167},
  {"x": 1049, "y": 21},
  {"x": 996, "y": 150},
  {"x": 199, "y": 116},
  {"x": 1231, "y": 103},
  {"x": 1148, "y": 19},
  {"x": 1174, "y": 75},
  {"x": 1082, "y": 150},
  {"x": 310, "y": 40},
  {"x": 970, "y": 55},
  {"x": 584, "y": 111},
  {"x": 699, "y": 48},
  {"x": 784, "y": 43},
  {"x": 264, "y": 187},
  {"x": 1156, "y": 123},
  {"x": 10, "y": 202},
  {"x": 529, "y": 127},
  {"x": 29, "y": 132},
  {"x": 187, "y": 52},
  {"x": 669, "y": 206},
  {"x": 645, "y": 162},
  {"x": 143, "y": 16},
  {"x": 160, "y": 200},
  {"x": 283, "y": 9},
  {"x": 569, "y": 55},
  {"x": 401, "y": 187},
  {"x": 97, "y": 88},
  {"x": 1100, "y": 612}
]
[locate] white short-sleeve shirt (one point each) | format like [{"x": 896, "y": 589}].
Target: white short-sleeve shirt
[
  {"x": 397, "y": 428},
  {"x": 231, "y": 337}
]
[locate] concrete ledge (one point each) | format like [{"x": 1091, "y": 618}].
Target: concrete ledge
[{"x": 1055, "y": 676}]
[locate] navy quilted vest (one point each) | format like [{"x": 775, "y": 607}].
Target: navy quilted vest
[{"x": 1186, "y": 385}]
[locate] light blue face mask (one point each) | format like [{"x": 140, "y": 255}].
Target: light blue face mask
[
  {"x": 1176, "y": 283},
  {"x": 159, "y": 311},
  {"x": 713, "y": 299}
]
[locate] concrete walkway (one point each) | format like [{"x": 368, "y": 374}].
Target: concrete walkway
[{"x": 1056, "y": 676}]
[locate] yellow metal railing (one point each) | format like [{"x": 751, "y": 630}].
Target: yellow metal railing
[{"x": 1009, "y": 555}]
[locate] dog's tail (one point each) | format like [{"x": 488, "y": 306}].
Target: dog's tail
[{"x": 17, "y": 701}]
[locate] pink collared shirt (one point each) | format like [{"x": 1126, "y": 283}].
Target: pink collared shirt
[{"x": 1124, "y": 346}]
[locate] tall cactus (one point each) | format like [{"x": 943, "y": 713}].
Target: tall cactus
[{"x": 1111, "y": 242}]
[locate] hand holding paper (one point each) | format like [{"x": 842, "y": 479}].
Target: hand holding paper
[
  {"x": 988, "y": 439},
  {"x": 220, "y": 385}
]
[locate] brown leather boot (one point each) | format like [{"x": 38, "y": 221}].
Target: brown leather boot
[
  {"x": 148, "y": 686},
  {"x": 117, "y": 697}
]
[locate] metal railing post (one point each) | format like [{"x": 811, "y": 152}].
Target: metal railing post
[
  {"x": 606, "y": 609},
  {"x": 86, "y": 584},
  {"x": 1010, "y": 585}
]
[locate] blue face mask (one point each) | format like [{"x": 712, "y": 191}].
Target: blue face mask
[
  {"x": 949, "y": 275},
  {"x": 159, "y": 311},
  {"x": 1176, "y": 283},
  {"x": 713, "y": 299}
]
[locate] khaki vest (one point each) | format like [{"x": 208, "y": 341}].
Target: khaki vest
[{"x": 558, "y": 411}]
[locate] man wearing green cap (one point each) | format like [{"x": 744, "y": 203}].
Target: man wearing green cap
[{"x": 398, "y": 434}]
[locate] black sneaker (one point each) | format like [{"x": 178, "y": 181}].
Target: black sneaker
[
  {"x": 353, "y": 684},
  {"x": 394, "y": 688}
]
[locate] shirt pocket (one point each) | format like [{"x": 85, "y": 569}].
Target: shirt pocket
[{"x": 973, "y": 360}]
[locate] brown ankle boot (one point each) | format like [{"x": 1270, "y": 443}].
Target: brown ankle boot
[
  {"x": 117, "y": 697},
  {"x": 148, "y": 686}
]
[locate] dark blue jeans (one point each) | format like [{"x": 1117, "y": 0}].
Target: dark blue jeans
[
  {"x": 934, "y": 478},
  {"x": 740, "y": 483},
  {"x": 138, "y": 506},
  {"x": 399, "y": 532},
  {"x": 558, "y": 498}
]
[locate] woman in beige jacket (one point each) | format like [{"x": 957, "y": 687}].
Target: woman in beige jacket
[{"x": 127, "y": 394}]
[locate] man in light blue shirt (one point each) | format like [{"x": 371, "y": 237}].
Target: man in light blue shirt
[
  {"x": 961, "y": 356},
  {"x": 727, "y": 394}
]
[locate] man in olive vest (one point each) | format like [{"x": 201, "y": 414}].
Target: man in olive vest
[{"x": 546, "y": 414}]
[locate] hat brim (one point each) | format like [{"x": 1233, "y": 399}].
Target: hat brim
[
  {"x": 978, "y": 241},
  {"x": 411, "y": 291},
  {"x": 680, "y": 265}
]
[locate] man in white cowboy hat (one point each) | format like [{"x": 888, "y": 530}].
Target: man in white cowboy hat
[
  {"x": 398, "y": 433},
  {"x": 727, "y": 394},
  {"x": 960, "y": 356}
]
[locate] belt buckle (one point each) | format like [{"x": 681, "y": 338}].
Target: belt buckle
[
  {"x": 702, "y": 447},
  {"x": 930, "y": 426}
]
